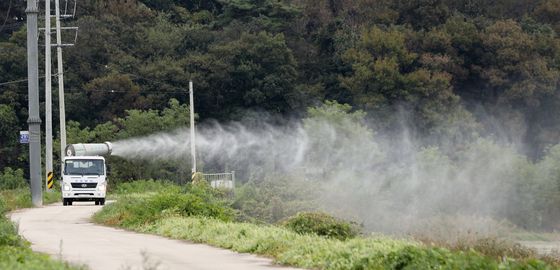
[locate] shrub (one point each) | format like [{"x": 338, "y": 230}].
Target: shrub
[
  {"x": 12, "y": 179},
  {"x": 16, "y": 198},
  {"x": 9, "y": 234},
  {"x": 275, "y": 198},
  {"x": 321, "y": 224},
  {"x": 436, "y": 258},
  {"x": 190, "y": 204},
  {"x": 196, "y": 200},
  {"x": 414, "y": 257}
]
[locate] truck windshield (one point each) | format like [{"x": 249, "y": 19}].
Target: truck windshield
[{"x": 84, "y": 167}]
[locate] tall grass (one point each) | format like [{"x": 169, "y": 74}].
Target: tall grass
[
  {"x": 21, "y": 198},
  {"x": 167, "y": 214}
]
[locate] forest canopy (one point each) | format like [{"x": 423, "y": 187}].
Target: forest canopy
[{"x": 445, "y": 68}]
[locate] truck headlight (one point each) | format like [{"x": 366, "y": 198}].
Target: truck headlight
[
  {"x": 101, "y": 187},
  {"x": 66, "y": 187}
]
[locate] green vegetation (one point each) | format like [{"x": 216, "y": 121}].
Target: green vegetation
[
  {"x": 196, "y": 200},
  {"x": 274, "y": 198},
  {"x": 450, "y": 74},
  {"x": 454, "y": 77},
  {"x": 21, "y": 198},
  {"x": 432, "y": 67},
  {"x": 158, "y": 214},
  {"x": 15, "y": 192},
  {"x": 321, "y": 224},
  {"x": 12, "y": 179},
  {"x": 23, "y": 258}
]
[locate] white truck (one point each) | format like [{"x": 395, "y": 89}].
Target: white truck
[{"x": 84, "y": 173}]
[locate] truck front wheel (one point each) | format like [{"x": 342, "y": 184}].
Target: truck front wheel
[
  {"x": 102, "y": 201},
  {"x": 66, "y": 202}
]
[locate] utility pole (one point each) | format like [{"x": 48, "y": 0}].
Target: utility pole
[
  {"x": 60, "y": 82},
  {"x": 34, "y": 121},
  {"x": 48, "y": 98},
  {"x": 193, "y": 139}
]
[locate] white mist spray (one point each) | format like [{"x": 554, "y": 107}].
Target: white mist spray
[{"x": 391, "y": 187}]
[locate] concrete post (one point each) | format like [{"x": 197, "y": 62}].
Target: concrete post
[
  {"x": 233, "y": 179},
  {"x": 48, "y": 96},
  {"x": 60, "y": 71},
  {"x": 34, "y": 120},
  {"x": 193, "y": 139}
]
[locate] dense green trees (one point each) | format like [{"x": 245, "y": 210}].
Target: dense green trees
[
  {"x": 281, "y": 56},
  {"x": 427, "y": 57},
  {"x": 385, "y": 75},
  {"x": 443, "y": 71},
  {"x": 256, "y": 71}
]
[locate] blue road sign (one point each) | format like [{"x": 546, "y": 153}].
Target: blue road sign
[{"x": 24, "y": 136}]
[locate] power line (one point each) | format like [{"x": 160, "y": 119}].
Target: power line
[
  {"x": 13, "y": 82},
  {"x": 138, "y": 77},
  {"x": 180, "y": 91},
  {"x": 23, "y": 80},
  {"x": 135, "y": 77},
  {"x": 77, "y": 90}
]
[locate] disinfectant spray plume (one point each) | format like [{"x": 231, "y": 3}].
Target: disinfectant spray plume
[
  {"x": 390, "y": 186},
  {"x": 217, "y": 143}
]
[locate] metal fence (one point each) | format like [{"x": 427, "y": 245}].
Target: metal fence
[{"x": 221, "y": 180}]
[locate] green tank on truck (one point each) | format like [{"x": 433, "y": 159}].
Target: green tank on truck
[{"x": 84, "y": 173}]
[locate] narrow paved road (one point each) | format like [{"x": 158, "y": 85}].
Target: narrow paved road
[
  {"x": 67, "y": 232},
  {"x": 543, "y": 247}
]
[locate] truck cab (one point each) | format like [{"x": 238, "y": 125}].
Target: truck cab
[{"x": 84, "y": 178}]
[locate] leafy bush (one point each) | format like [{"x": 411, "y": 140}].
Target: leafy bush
[
  {"x": 12, "y": 179},
  {"x": 321, "y": 224},
  {"x": 412, "y": 257},
  {"x": 9, "y": 234},
  {"x": 196, "y": 200},
  {"x": 16, "y": 198},
  {"x": 274, "y": 198}
]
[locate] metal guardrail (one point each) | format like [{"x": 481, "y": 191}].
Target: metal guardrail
[{"x": 221, "y": 180}]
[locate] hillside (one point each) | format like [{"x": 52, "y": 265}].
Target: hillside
[{"x": 469, "y": 87}]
